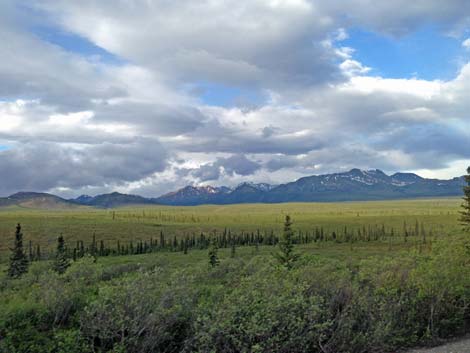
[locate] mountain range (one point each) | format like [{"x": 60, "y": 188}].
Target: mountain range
[
  {"x": 37, "y": 200},
  {"x": 355, "y": 185}
]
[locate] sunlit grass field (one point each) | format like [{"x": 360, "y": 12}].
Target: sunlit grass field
[{"x": 42, "y": 227}]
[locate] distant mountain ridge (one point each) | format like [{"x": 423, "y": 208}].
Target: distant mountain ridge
[
  {"x": 354, "y": 185},
  {"x": 114, "y": 199},
  {"x": 36, "y": 200}
]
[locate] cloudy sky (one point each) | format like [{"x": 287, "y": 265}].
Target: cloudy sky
[{"x": 146, "y": 96}]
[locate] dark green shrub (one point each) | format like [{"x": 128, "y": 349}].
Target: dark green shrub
[
  {"x": 264, "y": 314},
  {"x": 141, "y": 315}
]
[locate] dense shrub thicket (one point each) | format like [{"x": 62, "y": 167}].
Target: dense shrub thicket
[{"x": 322, "y": 305}]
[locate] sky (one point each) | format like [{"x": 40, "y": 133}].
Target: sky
[{"x": 147, "y": 96}]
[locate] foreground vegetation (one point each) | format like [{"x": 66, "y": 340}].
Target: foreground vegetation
[
  {"x": 366, "y": 295},
  {"x": 173, "y": 302}
]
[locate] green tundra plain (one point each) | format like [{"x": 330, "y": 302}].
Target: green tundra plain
[
  {"x": 142, "y": 223},
  {"x": 385, "y": 276}
]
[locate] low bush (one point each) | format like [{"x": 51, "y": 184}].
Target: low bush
[{"x": 378, "y": 304}]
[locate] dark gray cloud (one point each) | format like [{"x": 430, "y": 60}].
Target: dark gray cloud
[
  {"x": 400, "y": 17},
  {"x": 206, "y": 172},
  {"x": 236, "y": 164},
  {"x": 432, "y": 145},
  {"x": 152, "y": 118},
  {"x": 339, "y": 157},
  {"x": 44, "y": 166},
  {"x": 281, "y": 162},
  {"x": 269, "y": 131},
  {"x": 242, "y": 137}
]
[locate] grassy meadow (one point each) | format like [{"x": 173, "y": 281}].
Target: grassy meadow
[{"x": 142, "y": 223}]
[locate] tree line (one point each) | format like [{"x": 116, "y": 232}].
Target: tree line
[{"x": 226, "y": 238}]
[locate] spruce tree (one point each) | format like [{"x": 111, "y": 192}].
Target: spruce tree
[
  {"x": 162, "y": 240},
  {"x": 233, "y": 250},
  {"x": 286, "y": 255},
  {"x": 405, "y": 232},
  {"x": 465, "y": 213},
  {"x": 31, "y": 255},
  {"x": 213, "y": 257},
  {"x": 82, "y": 249},
  {"x": 93, "y": 248},
  {"x": 61, "y": 262},
  {"x": 18, "y": 259},
  {"x": 102, "y": 249},
  {"x": 38, "y": 252}
]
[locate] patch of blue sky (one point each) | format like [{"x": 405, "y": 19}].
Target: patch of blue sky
[
  {"x": 76, "y": 44},
  {"x": 4, "y": 148},
  {"x": 228, "y": 96},
  {"x": 15, "y": 97},
  {"x": 427, "y": 53}
]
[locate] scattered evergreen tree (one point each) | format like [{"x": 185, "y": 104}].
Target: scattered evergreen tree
[
  {"x": 61, "y": 262},
  {"x": 233, "y": 250},
  {"x": 465, "y": 213},
  {"x": 82, "y": 250},
  {"x": 93, "y": 247},
  {"x": 405, "y": 232},
  {"x": 102, "y": 248},
  {"x": 423, "y": 233},
  {"x": 213, "y": 257},
  {"x": 31, "y": 255},
  {"x": 162, "y": 240},
  {"x": 38, "y": 252},
  {"x": 286, "y": 255},
  {"x": 18, "y": 259}
]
